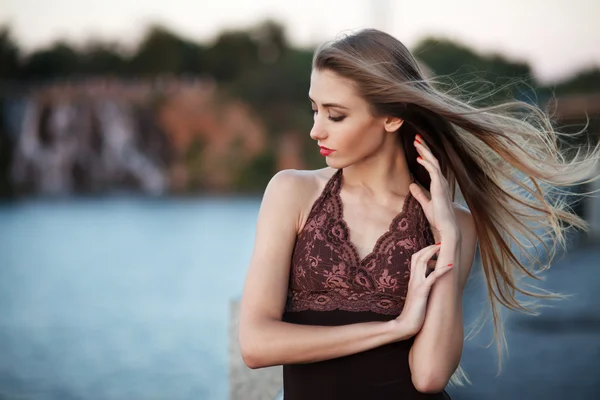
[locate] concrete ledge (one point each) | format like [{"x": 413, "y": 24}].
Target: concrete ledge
[{"x": 245, "y": 383}]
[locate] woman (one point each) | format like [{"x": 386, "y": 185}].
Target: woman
[{"x": 356, "y": 278}]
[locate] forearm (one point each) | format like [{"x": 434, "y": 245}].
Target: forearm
[
  {"x": 276, "y": 343},
  {"x": 436, "y": 351}
]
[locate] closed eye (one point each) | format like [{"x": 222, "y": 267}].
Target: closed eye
[{"x": 334, "y": 119}]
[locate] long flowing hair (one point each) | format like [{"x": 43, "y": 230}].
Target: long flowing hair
[{"x": 506, "y": 161}]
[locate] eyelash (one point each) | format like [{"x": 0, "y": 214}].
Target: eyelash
[{"x": 334, "y": 119}]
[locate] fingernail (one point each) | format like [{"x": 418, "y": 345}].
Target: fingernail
[
  {"x": 449, "y": 265},
  {"x": 419, "y": 158},
  {"x": 437, "y": 244}
]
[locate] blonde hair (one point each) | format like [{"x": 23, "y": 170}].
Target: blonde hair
[{"x": 504, "y": 159}]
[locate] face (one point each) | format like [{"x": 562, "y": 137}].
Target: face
[{"x": 343, "y": 123}]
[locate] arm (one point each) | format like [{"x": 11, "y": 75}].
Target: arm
[
  {"x": 437, "y": 349},
  {"x": 264, "y": 339}
]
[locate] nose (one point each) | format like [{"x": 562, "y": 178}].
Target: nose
[{"x": 317, "y": 132}]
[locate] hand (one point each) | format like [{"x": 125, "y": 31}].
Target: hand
[
  {"x": 437, "y": 206},
  {"x": 412, "y": 317}
]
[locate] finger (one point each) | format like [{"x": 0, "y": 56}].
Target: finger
[
  {"x": 427, "y": 155},
  {"x": 419, "y": 147},
  {"x": 437, "y": 273},
  {"x": 425, "y": 254},
  {"x": 427, "y": 250},
  {"x": 419, "y": 194},
  {"x": 420, "y": 139},
  {"x": 428, "y": 166},
  {"x": 434, "y": 172},
  {"x": 425, "y": 151},
  {"x": 428, "y": 271}
]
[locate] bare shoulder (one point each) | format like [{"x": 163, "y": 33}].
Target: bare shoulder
[
  {"x": 298, "y": 181},
  {"x": 284, "y": 205},
  {"x": 304, "y": 179},
  {"x": 296, "y": 190}
]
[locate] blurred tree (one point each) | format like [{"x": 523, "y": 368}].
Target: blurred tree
[
  {"x": 7, "y": 146},
  {"x": 256, "y": 175},
  {"x": 271, "y": 40},
  {"x": 193, "y": 161},
  {"x": 59, "y": 60},
  {"x": 194, "y": 58},
  {"x": 279, "y": 90},
  {"x": 587, "y": 81},
  {"x": 232, "y": 53},
  {"x": 9, "y": 55},
  {"x": 163, "y": 52},
  {"x": 259, "y": 66},
  {"x": 102, "y": 58},
  {"x": 463, "y": 73}
]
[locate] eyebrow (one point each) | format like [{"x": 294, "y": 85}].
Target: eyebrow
[{"x": 330, "y": 105}]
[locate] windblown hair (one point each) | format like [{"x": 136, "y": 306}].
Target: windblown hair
[{"x": 505, "y": 160}]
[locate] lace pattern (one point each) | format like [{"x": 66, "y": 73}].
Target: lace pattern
[{"x": 327, "y": 272}]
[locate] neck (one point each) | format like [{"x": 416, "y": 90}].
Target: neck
[{"x": 380, "y": 175}]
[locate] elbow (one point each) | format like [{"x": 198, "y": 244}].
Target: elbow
[
  {"x": 251, "y": 361},
  {"x": 252, "y": 351},
  {"x": 249, "y": 354},
  {"x": 429, "y": 383},
  {"x": 258, "y": 348}
]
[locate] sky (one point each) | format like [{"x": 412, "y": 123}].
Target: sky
[{"x": 556, "y": 37}]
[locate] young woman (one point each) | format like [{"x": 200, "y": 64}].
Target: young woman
[{"x": 356, "y": 279}]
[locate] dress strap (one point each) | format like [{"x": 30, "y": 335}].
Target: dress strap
[{"x": 335, "y": 182}]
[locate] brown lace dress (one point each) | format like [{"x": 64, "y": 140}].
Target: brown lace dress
[{"x": 330, "y": 285}]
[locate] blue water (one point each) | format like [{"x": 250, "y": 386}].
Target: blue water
[
  {"x": 128, "y": 298},
  {"x": 120, "y": 298}
]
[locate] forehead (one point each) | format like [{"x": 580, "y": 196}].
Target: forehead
[{"x": 326, "y": 86}]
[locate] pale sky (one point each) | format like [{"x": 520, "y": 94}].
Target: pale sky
[{"x": 556, "y": 37}]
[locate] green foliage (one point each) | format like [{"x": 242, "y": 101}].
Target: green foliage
[
  {"x": 57, "y": 61},
  {"x": 99, "y": 58},
  {"x": 279, "y": 91},
  {"x": 232, "y": 53},
  {"x": 466, "y": 74},
  {"x": 9, "y": 55},
  {"x": 193, "y": 163},
  {"x": 311, "y": 155},
  {"x": 256, "y": 175},
  {"x": 6, "y": 151},
  {"x": 235, "y": 54},
  {"x": 584, "y": 82},
  {"x": 259, "y": 66},
  {"x": 445, "y": 57},
  {"x": 263, "y": 55},
  {"x": 163, "y": 52}
]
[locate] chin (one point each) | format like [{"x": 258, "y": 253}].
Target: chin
[
  {"x": 337, "y": 163},
  {"x": 334, "y": 163}
]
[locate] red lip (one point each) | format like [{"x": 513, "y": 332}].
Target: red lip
[{"x": 325, "y": 151}]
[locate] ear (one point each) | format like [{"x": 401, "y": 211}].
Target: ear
[{"x": 392, "y": 124}]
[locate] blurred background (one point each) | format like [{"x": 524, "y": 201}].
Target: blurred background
[{"x": 137, "y": 137}]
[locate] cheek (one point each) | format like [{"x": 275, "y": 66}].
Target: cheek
[{"x": 363, "y": 135}]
